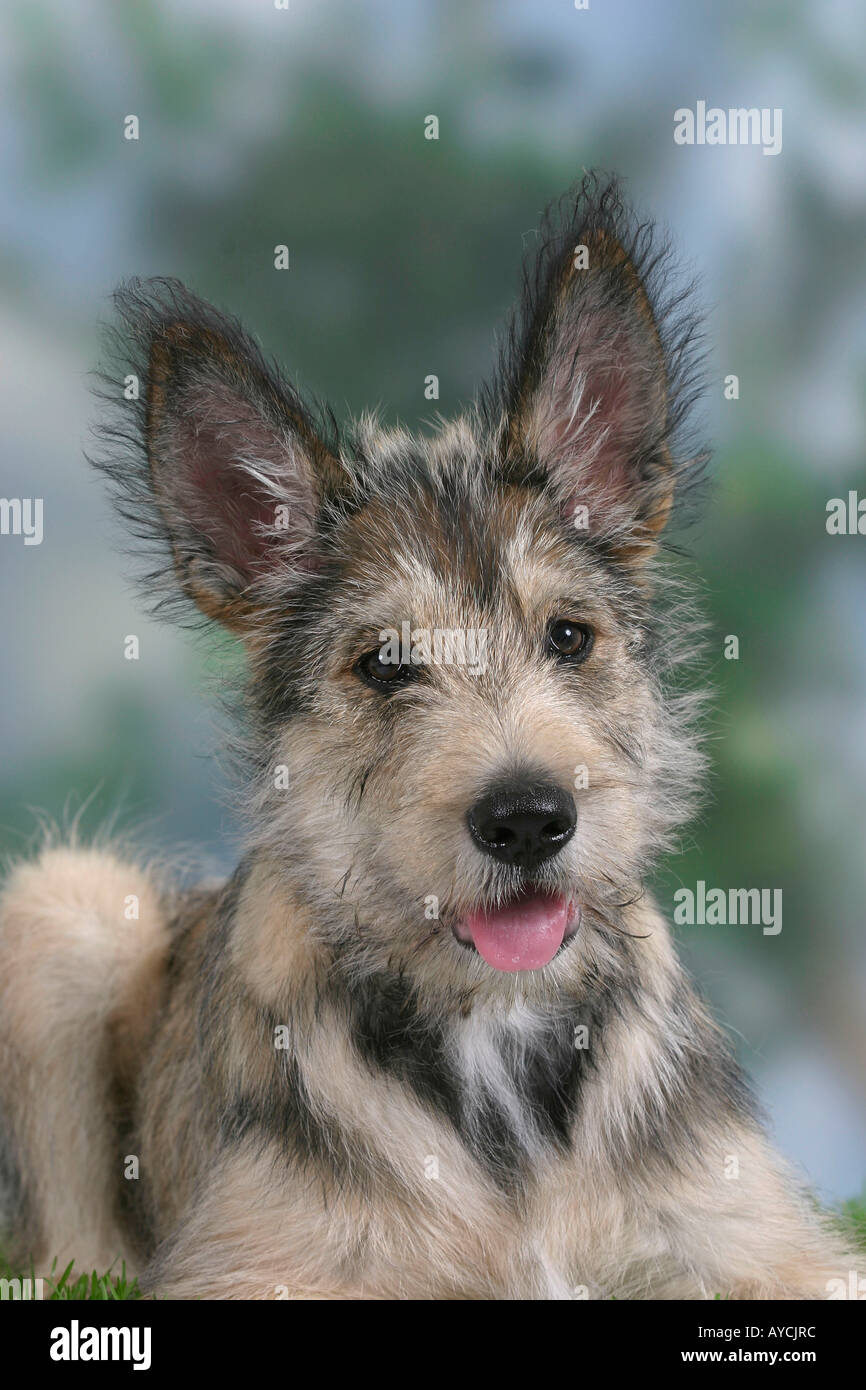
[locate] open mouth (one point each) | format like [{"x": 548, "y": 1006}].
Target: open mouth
[{"x": 523, "y": 934}]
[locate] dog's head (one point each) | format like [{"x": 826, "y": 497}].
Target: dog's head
[{"x": 465, "y": 754}]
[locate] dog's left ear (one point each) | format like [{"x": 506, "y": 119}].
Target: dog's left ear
[
  {"x": 220, "y": 464},
  {"x": 588, "y": 389}
]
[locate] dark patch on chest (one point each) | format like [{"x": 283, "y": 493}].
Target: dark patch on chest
[{"x": 543, "y": 1077}]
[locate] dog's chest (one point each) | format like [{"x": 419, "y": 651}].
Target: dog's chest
[
  {"x": 507, "y": 1082},
  {"x": 517, "y": 1081}
]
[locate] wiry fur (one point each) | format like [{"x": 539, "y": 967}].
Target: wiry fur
[{"x": 426, "y": 1126}]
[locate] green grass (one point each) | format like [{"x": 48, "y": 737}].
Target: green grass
[
  {"x": 853, "y": 1215},
  {"x": 111, "y": 1285},
  {"x": 108, "y": 1286}
]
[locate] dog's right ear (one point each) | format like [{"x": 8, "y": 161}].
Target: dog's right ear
[
  {"x": 600, "y": 371},
  {"x": 231, "y": 457}
]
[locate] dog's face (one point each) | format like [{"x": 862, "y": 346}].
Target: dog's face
[
  {"x": 466, "y": 708},
  {"x": 464, "y": 756}
]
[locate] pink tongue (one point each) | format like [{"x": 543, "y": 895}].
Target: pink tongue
[{"x": 523, "y": 935}]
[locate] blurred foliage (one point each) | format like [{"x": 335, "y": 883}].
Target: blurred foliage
[{"x": 404, "y": 255}]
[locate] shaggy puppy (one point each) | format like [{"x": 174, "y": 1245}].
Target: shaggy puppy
[{"x": 431, "y": 1040}]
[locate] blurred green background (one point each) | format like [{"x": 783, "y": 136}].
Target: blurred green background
[{"x": 305, "y": 127}]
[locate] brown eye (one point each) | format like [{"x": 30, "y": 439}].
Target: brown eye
[
  {"x": 569, "y": 641},
  {"x": 382, "y": 674}
]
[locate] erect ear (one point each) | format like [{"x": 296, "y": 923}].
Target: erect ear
[
  {"x": 597, "y": 376},
  {"x": 232, "y": 458}
]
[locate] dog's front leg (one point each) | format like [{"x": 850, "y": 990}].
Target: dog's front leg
[
  {"x": 251, "y": 1235},
  {"x": 743, "y": 1228}
]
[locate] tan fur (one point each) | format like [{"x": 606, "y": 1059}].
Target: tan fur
[
  {"x": 332, "y": 1077},
  {"x": 78, "y": 984},
  {"x": 75, "y": 972}
]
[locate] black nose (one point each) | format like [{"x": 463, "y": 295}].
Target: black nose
[{"x": 523, "y": 824}]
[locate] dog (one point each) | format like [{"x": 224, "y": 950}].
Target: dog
[{"x": 431, "y": 1040}]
